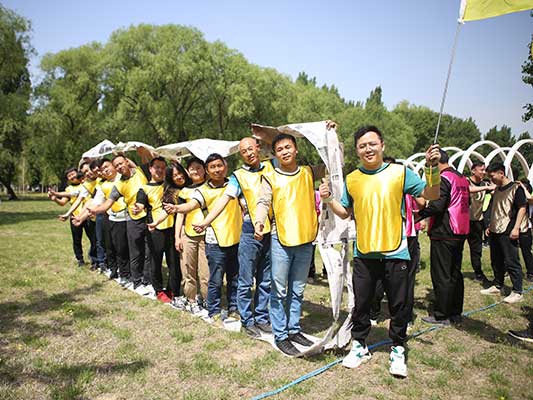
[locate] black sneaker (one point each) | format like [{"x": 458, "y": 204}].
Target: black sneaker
[
  {"x": 526, "y": 335},
  {"x": 300, "y": 339},
  {"x": 264, "y": 327},
  {"x": 287, "y": 348},
  {"x": 480, "y": 278},
  {"x": 456, "y": 319},
  {"x": 252, "y": 331},
  {"x": 432, "y": 320},
  {"x": 81, "y": 263}
]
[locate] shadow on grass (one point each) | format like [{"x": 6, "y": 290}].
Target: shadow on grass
[
  {"x": 11, "y": 218},
  {"x": 16, "y": 327}
]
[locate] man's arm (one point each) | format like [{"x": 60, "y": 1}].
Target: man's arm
[
  {"x": 73, "y": 207},
  {"x": 432, "y": 189},
  {"x": 515, "y": 232},
  {"x": 477, "y": 189},
  {"x": 218, "y": 207},
  {"x": 440, "y": 205},
  {"x": 335, "y": 206},
  {"x": 263, "y": 206},
  {"x": 178, "y": 232}
]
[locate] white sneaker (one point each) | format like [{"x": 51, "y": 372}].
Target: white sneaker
[
  {"x": 107, "y": 273},
  {"x": 356, "y": 356},
  {"x": 179, "y": 303},
  {"x": 198, "y": 311},
  {"x": 492, "y": 290},
  {"x": 373, "y": 322},
  {"x": 514, "y": 297},
  {"x": 129, "y": 286},
  {"x": 142, "y": 290},
  {"x": 398, "y": 367}
]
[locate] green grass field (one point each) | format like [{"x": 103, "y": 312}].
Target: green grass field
[{"x": 68, "y": 333}]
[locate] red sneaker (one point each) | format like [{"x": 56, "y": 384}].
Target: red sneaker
[
  {"x": 169, "y": 293},
  {"x": 162, "y": 296}
]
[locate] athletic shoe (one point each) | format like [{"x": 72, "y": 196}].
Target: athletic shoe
[
  {"x": 398, "y": 368},
  {"x": 456, "y": 319},
  {"x": 123, "y": 281},
  {"x": 491, "y": 290},
  {"x": 215, "y": 320},
  {"x": 142, "y": 290},
  {"x": 513, "y": 298},
  {"x": 252, "y": 331},
  {"x": 162, "y": 296},
  {"x": 129, "y": 286},
  {"x": 108, "y": 273},
  {"x": 81, "y": 263},
  {"x": 198, "y": 311},
  {"x": 287, "y": 347},
  {"x": 526, "y": 335},
  {"x": 266, "y": 328},
  {"x": 300, "y": 339},
  {"x": 373, "y": 322},
  {"x": 179, "y": 303},
  {"x": 94, "y": 267},
  {"x": 169, "y": 293},
  {"x": 356, "y": 356},
  {"x": 480, "y": 278},
  {"x": 432, "y": 320}
]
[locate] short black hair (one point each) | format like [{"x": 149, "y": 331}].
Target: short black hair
[
  {"x": 364, "y": 130},
  {"x": 83, "y": 164},
  {"x": 391, "y": 160},
  {"x": 96, "y": 164},
  {"x": 193, "y": 160},
  {"x": 444, "y": 157},
  {"x": 153, "y": 160},
  {"x": 476, "y": 164},
  {"x": 118, "y": 156},
  {"x": 495, "y": 167},
  {"x": 213, "y": 157},
  {"x": 280, "y": 137},
  {"x": 69, "y": 170}
]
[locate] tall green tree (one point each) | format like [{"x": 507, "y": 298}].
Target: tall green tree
[
  {"x": 15, "y": 88},
  {"x": 527, "y": 78}
]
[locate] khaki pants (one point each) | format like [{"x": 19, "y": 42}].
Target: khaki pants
[{"x": 194, "y": 267}]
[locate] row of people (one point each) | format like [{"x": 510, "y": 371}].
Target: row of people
[{"x": 259, "y": 225}]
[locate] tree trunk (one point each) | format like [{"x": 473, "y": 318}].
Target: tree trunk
[{"x": 10, "y": 192}]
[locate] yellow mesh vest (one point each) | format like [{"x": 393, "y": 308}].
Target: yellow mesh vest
[
  {"x": 129, "y": 188},
  {"x": 227, "y": 225},
  {"x": 377, "y": 207},
  {"x": 293, "y": 203},
  {"x": 194, "y": 216},
  {"x": 250, "y": 183},
  {"x": 155, "y": 197},
  {"x": 71, "y": 189},
  {"x": 107, "y": 187}
]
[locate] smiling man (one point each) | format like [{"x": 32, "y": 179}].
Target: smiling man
[{"x": 374, "y": 194}]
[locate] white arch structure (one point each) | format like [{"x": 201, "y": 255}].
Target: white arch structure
[{"x": 507, "y": 154}]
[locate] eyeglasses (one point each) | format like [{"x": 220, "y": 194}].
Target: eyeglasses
[{"x": 371, "y": 145}]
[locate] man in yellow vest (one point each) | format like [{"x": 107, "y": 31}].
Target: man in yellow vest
[
  {"x": 289, "y": 189},
  {"x": 374, "y": 194},
  {"x": 254, "y": 255},
  {"x": 127, "y": 186}
]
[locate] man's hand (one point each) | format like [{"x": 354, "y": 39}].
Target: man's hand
[
  {"x": 63, "y": 217},
  {"x": 323, "y": 189},
  {"x": 170, "y": 208},
  {"x": 75, "y": 221},
  {"x": 515, "y": 233},
  {"x": 137, "y": 208},
  {"x": 433, "y": 155},
  {"x": 258, "y": 231},
  {"x": 331, "y": 124},
  {"x": 200, "y": 227},
  {"x": 151, "y": 226},
  {"x": 178, "y": 244}
]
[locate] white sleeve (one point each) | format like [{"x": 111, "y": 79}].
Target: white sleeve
[{"x": 99, "y": 197}]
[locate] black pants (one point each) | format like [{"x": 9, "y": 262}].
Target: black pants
[
  {"x": 111, "y": 257},
  {"x": 395, "y": 277},
  {"x": 446, "y": 257},
  {"x": 119, "y": 240},
  {"x": 475, "y": 242},
  {"x": 136, "y": 230},
  {"x": 504, "y": 257},
  {"x": 77, "y": 235},
  {"x": 412, "y": 267},
  {"x": 162, "y": 242},
  {"x": 525, "y": 241}
]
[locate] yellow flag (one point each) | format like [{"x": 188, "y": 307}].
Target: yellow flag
[{"x": 472, "y": 10}]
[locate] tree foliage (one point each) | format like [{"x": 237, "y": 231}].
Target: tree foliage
[{"x": 15, "y": 88}]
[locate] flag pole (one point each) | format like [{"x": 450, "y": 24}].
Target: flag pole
[{"x": 459, "y": 24}]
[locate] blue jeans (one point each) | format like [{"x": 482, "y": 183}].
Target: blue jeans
[
  {"x": 221, "y": 260},
  {"x": 100, "y": 247},
  {"x": 254, "y": 261},
  {"x": 290, "y": 267}
]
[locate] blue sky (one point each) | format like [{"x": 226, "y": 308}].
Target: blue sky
[{"x": 404, "y": 46}]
